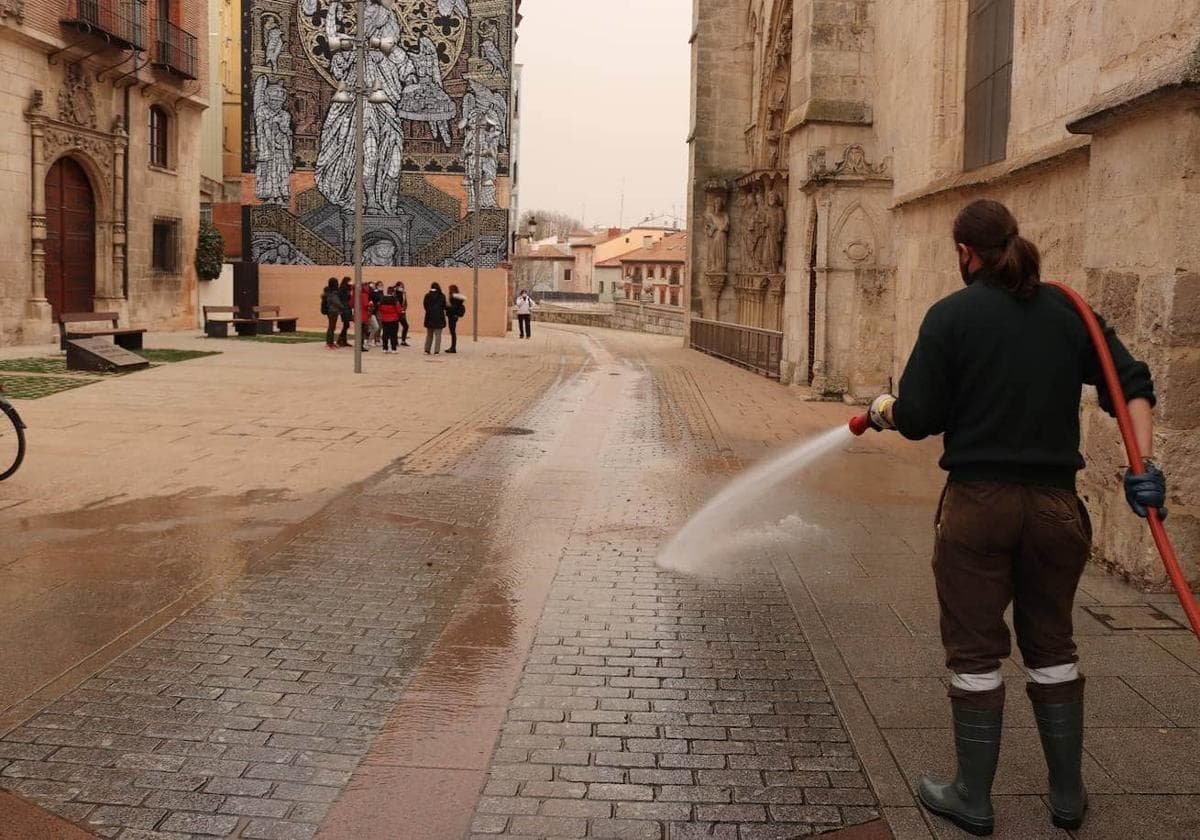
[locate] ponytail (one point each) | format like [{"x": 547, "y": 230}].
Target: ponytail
[{"x": 988, "y": 228}]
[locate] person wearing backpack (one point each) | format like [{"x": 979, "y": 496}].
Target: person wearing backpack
[
  {"x": 331, "y": 308},
  {"x": 524, "y": 305},
  {"x": 456, "y": 307}
]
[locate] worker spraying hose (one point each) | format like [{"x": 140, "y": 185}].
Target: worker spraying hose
[{"x": 998, "y": 369}]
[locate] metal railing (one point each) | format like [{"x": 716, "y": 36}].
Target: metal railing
[
  {"x": 749, "y": 347},
  {"x": 175, "y": 49},
  {"x": 117, "y": 21}
]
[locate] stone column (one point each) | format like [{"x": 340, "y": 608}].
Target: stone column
[
  {"x": 38, "y": 307},
  {"x": 114, "y": 293}
]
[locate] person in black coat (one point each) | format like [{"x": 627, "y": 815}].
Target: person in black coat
[
  {"x": 435, "y": 319},
  {"x": 346, "y": 292}
]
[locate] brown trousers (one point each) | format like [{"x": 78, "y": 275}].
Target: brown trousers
[{"x": 998, "y": 543}]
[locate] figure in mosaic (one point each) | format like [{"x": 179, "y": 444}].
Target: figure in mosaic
[
  {"x": 383, "y": 131},
  {"x": 273, "y": 142},
  {"x": 425, "y": 98},
  {"x": 484, "y": 131},
  {"x": 272, "y": 45}
]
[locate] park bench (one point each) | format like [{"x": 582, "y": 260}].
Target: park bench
[
  {"x": 128, "y": 338},
  {"x": 219, "y": 327},
  {"x": 268, "y": 317}
]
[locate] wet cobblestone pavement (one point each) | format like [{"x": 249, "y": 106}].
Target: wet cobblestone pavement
[{"x": 476, "y": 642}]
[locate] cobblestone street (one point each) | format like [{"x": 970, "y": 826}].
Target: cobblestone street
[{"x": 465, "y": 633}]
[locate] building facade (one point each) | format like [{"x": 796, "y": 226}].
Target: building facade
[
  {"x": 834, "y": 141},
  {"x": 100, "y": 131},
  {"x": 437, "y": 134}
]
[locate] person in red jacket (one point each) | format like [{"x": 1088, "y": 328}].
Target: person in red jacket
[
  {"x": 389, "y": 317},
  {"x": 365, "y": 316}
]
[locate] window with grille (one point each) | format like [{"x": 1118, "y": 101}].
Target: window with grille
[
  {"x": 159, "y": 130},
  {"x": 165, "y": 246},
  {"x": 989, "y": 82}
]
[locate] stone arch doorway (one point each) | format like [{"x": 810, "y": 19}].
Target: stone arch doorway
[{"x": 70, "y": 238}]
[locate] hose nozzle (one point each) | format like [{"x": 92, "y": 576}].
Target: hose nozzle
[{"x": 859, "y": 424}]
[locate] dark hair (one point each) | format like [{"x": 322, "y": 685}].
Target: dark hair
[
  {"x": 990, "y": 229},
  {"x": 453, "y": 289},
  {"x": 346, "y": 281},
  {"x": 435, "y": 286},
  {"x": 332, "y": 284}
]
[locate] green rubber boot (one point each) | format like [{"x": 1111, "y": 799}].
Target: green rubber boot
[
  {"x": 967, "y": 801},
  {"x": 1060, "y": 726}
]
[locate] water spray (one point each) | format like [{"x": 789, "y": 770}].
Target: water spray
[{"x": 862, "y": 422}]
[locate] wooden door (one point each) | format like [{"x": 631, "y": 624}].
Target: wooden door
[{"x": 70, "y": 238}]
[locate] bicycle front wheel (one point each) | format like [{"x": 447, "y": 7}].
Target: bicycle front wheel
[{"x": 12, "y": 445}]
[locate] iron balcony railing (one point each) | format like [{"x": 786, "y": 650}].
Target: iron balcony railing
[
  {"x": 750, "y": 347},
  {"x": 175, "y": 49},
  {"x": 117, "y": 21}
]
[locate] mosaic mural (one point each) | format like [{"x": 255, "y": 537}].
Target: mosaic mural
[{"x": 436, "y": 149}]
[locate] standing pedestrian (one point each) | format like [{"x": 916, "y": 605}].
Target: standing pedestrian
[
  {"x": 402, "y": 301},
  {"x": 366, "y": 316},
  {"x": 331, "y": 308},
  {"x": 998, "y": 369},
  {"x": 389, "y": 319},
  {"x": 435, "y": 319},
  {"x": 456, "y": 307},
  {"x": 376, "y": 331},
  {"x": 346, "y": 293},
  {"x": 524, "y": 304}
]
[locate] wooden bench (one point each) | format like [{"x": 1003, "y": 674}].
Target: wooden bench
[
  {"x": 268, "y": 317},
  {"x": 130, "y": 339},
  {"x": 219, "y": 327}
]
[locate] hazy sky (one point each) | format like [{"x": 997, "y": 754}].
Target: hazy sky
[{"x": 604, "y": 102}]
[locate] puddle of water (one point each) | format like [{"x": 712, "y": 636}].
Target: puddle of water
[{"x": 738, "y": 521}]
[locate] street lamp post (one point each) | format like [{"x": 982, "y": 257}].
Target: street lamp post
[{"x": 359, "y": 96}]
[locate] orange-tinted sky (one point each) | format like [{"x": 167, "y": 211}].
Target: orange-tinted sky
[{"x": 605, "y": 102}]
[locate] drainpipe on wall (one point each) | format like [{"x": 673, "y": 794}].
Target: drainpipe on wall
[{"x": 125, "y": 188}]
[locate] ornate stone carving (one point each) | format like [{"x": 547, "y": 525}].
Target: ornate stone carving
[
  {"x": 76, "y": 102},
  {"x": 99, "y": 150},
  {"x": 854, "y": 164},
  {"x": 716, "y": 230},
  {"x": 14, "y": 9}
]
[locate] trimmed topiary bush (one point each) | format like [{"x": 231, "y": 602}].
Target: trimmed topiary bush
[{"x": 210, "y": 252}]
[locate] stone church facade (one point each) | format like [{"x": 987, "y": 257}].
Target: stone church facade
[
  {"x": 872, "y": 122},
  {"x": 99, "y": 135}
]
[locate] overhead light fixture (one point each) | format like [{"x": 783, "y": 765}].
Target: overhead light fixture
[
  {"x": 343, "y": 96},
  {"x": 378, "y": 97}
]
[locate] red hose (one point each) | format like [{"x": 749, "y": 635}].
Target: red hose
[
  {"x": 1187, "y": 600},
  {"x": 1116, "y": 393}
]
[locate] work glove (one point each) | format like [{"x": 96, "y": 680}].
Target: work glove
[
  {"x": 1148, "y": 490},
  {"x": 880, "y": 413}
]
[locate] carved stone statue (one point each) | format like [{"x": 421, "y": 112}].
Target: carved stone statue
[
  {"x": 773, "y": 234},
  {"x": 758, "y": 233},
  {"x": 716, "y": 229}
]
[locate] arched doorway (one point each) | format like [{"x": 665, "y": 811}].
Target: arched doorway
[{"x": 70, "y": 238}]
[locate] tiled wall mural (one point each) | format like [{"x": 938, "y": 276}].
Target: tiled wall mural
[{"x": 436, "y": 151}]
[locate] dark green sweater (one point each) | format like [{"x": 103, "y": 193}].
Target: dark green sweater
[{"x": 1002, "y": 379}]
